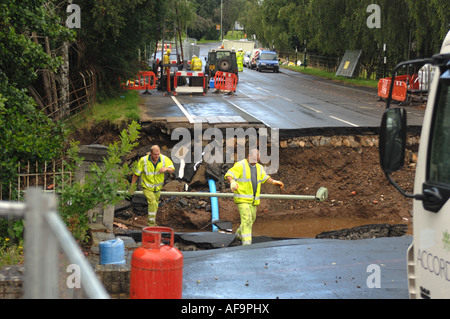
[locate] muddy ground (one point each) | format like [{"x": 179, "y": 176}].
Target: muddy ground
[{"x": 358, "y": 190}]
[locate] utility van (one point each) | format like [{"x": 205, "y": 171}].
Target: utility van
[
  {"x": 428, "y": 257},
  {"x": 253, "y": 57},
  {"x": 221, "y": 60},
  {"x": 267, "y": 61}
]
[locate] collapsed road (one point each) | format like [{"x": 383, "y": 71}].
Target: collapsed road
[
  {"x": 339, "y": 156},
  {"x": 313, "y": 153},
  {"x": 347, "y": 165}
]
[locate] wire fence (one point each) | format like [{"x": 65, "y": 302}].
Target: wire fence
[
  {"x": 43, "y": 175},
  {"x": 82, "y": 97},
  {"x": 82, "y": 92}
]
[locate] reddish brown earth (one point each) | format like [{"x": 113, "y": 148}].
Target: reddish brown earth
[
  {"x": 358, "y": 192},
  {"x": 357, "y": 189}
]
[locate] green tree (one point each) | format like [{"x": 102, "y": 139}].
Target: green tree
[
  {"x": 430, "y": 21},
  {"x": 208, "y": 15},
  {"x": 275, "y": 26},
  {"x": 251, "y": 18},
  {"x": 111, "y": 34},
  {"x": 409, "y": 28},
  {"x": 26, "y": 133}
]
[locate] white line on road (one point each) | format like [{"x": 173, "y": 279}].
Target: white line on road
[
  {"x": 267, "y": 91},
  {"x": 240, "y": 108},
  {"x": 185, "y": 112},
  {"x": 310, "y": 108},
  {"x": 349, "y": 123},
  {"x": 284, "y": 98}
]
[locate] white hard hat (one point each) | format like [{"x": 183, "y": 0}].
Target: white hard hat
[
  {"x": 240, "y": 49},
  {"x": 194, "y": 56}
]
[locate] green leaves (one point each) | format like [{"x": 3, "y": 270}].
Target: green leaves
[
  {"x": 100, "y": 186},
  {"x": 112, "y": 32},
  {"x": 27, "y": 134},
  {"x": 331, "y": 27},
  {"x": 20, "y": 56}
]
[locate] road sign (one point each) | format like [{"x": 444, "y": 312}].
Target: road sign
[{"x": 348, "y": 63}]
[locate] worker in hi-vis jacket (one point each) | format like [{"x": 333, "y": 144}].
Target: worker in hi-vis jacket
[
  {"x": 151, "y": 168},
  {"x": 245, "y": 179}
]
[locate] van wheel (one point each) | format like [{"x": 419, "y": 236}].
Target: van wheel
[{"x": 224, "y": 65}]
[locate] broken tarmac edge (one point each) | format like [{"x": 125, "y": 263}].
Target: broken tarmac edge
[{"x": 271, "y": 268}]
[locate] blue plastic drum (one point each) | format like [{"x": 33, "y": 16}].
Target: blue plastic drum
[{"x": 112, "y": 252}]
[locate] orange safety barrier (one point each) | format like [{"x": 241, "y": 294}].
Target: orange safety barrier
[
  {"x": 401, "y": 85},
  {"x": 414, "y": 83},
  {"x": 225, "y": 81},
  {"x": 145, "y": 80}
]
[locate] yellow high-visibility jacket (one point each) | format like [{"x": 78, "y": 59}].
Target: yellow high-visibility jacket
[
  {"x": 240, "y": 56},
  {"x": 240, "y": 172},
  {"x": 166, "y": 59},
  {"x": 151, "y": 178},
  {"x": 196, "y": 64}
]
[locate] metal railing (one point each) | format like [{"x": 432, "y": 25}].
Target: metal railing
[
  {"x": 46, "y": 175},
  {"x": 45, "y": 235}
]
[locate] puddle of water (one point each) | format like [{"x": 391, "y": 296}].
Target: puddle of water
[{"x": 310, "y": 227}]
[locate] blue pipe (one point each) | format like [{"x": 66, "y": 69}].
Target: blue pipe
[{"x": 214, "y": 203}]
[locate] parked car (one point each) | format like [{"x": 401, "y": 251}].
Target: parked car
[
  {"x": 247, "y": 58},
  {"x": 267, "y": 60}
]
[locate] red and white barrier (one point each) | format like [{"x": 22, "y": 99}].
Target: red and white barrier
[{"x": 191, "y": 88}]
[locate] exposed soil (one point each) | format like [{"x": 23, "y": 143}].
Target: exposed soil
[{"x": 358, "y": 189}]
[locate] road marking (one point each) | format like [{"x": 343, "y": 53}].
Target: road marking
[
  {"x": 310, "y": 108},
  {"x": 338, "y": 119},
  {"x": 240, "y": 108},
  {"x": 267, "y": 91},
  {"x": 284, "y": 98},
  {"x": 185, "y": 112}
]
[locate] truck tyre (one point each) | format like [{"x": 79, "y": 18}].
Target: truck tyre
[{"x": 224, "y": 65}]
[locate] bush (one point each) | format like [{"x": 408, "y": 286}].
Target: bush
[{"x": 99, "y": 187}]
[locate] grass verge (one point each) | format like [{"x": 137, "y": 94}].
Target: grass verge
[
  {"x": 115, "y": 110},
  {"x": 332, "y": 76}
]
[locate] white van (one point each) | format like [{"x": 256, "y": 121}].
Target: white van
[
  {"x": 253, "y": 57},
  {"x": 428, "y": 257}
]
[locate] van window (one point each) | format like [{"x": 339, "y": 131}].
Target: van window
[
  {"x": 439, "y": 166},
  {"x": 223, "y": 54},
  {"x": 268, "y": 56}
]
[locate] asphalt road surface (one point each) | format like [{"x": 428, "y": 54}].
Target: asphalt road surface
[
  {"x": 287, "y": 101},
  {"x": 303, "y": 268},
  {"x": 300, "y": 269}
]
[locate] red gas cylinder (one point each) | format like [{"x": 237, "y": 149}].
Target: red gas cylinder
[{"x": 156, "y": 269}]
